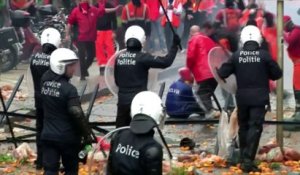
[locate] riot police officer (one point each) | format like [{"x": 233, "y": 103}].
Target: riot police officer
[
  {"x": 131, "y": 70},
  {"x": 64, "y": 123},
  {"x": 39, "y": 64},
  {"x": 134, "y": 151},
  {"x": 253, "y": 67}
]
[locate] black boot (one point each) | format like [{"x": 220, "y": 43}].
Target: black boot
[
  {"x": 250, "y": 150},
  {"x": 242, "y": 143},
  {"x": 296, "y": 116},
  {"x": 233, "y": 154},
  {"x": 249, "y": 166}
]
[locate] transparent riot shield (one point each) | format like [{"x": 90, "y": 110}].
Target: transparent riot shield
[{"x": 216, "y": 57}]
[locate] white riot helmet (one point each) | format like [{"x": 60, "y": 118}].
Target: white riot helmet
[
  {"x": 251, "y": 33},
  {"x": 51, "y": 36},
  {"x": 135, "y": 32},
  {"x": 60, "y": 58},
  {"x": 147, "y": 112}
]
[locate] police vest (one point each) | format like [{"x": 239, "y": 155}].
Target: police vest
[
  {"x": 56, "y": 91},
  {"x": 127, "y": 153},
  {"x": 175, "y": 19}
]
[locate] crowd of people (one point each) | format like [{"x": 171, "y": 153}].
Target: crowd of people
[{"x": 246, "y": 32}]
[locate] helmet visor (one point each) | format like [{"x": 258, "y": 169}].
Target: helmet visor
[{"x": 69, "y": 61}]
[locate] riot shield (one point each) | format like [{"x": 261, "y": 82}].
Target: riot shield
[
  {"x": 29, "y": 83},
  {"x": 110, "y": 76},
  {"x": 216, "y": 57}
]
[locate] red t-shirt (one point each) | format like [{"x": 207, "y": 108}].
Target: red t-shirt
[
  {"x": 153, "y": 6},
  {"x": 86, "y": 21},
  {"x": 229, "y": 18},
  {"x": 293, "y": 41},
  {"x": 18, "y": 4}
]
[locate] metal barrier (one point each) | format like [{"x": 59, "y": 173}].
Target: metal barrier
[
  {"x": 12, "y": 96},
  {"x": 96, "y": 126},
  {"x": 5, "y": 116}
]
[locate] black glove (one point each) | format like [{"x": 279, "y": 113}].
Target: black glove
[
  {"x": 217, "y": 71},
  {"x": 176, "y": 40},
  {"x": 81, "y": 122}
]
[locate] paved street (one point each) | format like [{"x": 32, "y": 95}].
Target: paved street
[{"x": 105, "y": 110}]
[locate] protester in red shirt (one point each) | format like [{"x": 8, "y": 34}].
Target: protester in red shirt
[
  {"x": 197, "y": 61},
  {"x": 106, "y": 25},
  {"x": 292, "y": 38},
  {"x": 252, "y": 12},
  {"x": 85, "y": 16},
  {"x": 269, "y": 31},
  {"x": 229, "y": 17},
  {"x": 156, "y": 29},
  {"x": 174, "y": 10}
]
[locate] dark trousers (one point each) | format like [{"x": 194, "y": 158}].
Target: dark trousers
[
  {"x": 169, "y": 35},
  {"x": 54, "y": 151},
  {"x": 123, "y": 116},
  {"x": 250, "y": 119},
  {"x": 39, "y": 143},
  {"x": 186, "y": 32},
  {"x": 86, "y": 53},
  {"x": 205, "y": 92}
]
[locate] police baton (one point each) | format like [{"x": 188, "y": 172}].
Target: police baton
[{"x": 168, "y": 19}]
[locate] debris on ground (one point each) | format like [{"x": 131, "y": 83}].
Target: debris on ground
[
  {"x": 271, "y": 152},
  {"x": 24, "y": 152},
  {"x": 102, "y": 99},
  {"x": 6, "y": 91}
]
